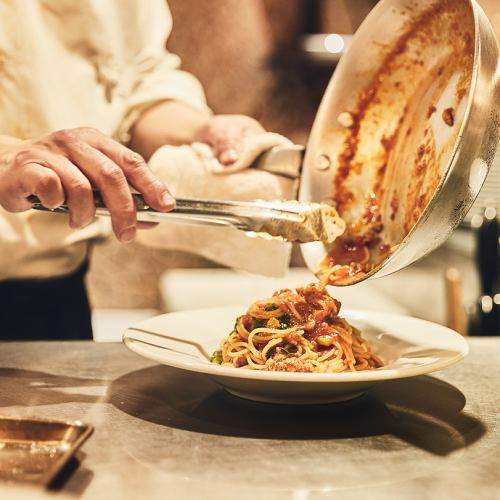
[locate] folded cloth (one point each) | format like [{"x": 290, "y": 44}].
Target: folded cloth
[
  {"x": 193, "y": 172},
  {"x": 253, "y": 147}
]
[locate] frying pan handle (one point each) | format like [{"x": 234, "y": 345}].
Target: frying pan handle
[{"x": 285, "y": 161}]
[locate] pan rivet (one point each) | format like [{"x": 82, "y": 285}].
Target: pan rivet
[
  {"x": 323, "y": 162},
  {"x": 345, "y": 119}
]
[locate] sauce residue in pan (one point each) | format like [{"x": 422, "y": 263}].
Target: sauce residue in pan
[{"x": 392, "y": 149}]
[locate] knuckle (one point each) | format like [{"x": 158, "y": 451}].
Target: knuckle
[
  {"x": 63, "y": 136},
  {"x": 224, "y": 142},
  {"x": 125, "y": 212},
  {"x": 134, "y": 160},
  {"x": 80, "y": 188},
  {"x": 155, "y": 186},
  {"x": 48, "y": 182},
  {"x": 22, "y": 157},
  {"x": 88, "y": 130},
  {"x": 128, "y": 211},
  {"x": 112, "y": 173}
]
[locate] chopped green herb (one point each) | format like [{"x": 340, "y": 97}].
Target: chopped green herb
[
  {"x": 290, "y": 349},
  {"x": 284, "y": 322},
  {"x": 270, "y": 353},
  {"x": 238, "y": 319},
  {"x": 271, "y": 307},
  {"x": 258, "y": 323},
  {"x": 216, "y": 358}
]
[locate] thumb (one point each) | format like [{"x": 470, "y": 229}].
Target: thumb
[{"x": 228, "y": 152}]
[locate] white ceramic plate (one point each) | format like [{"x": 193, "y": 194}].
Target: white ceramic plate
[{"x": 407, "y": 346}]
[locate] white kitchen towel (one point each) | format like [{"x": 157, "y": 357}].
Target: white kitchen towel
[
  {"x": 253, "y": 147},
  {"x": 193, "y": 172}
]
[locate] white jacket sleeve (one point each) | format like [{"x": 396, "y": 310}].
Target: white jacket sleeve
[{"x": 157, "y": 73}]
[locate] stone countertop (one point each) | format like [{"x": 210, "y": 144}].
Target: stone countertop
[{"x": 166, "y": 433}]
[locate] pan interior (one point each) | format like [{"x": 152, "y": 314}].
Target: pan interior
[{"x": 388, "y": 125}]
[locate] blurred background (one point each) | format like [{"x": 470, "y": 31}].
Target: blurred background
[{"x": 269, "y": 59}]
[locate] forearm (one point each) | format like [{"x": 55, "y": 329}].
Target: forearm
[{"x": 169, "y": 122}]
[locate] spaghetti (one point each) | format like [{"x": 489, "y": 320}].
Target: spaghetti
[{"x": 296, "y": 331}]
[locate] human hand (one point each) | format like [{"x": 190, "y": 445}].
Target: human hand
[
  {"x": 66, "y": 165},
  {"x": 225, "y": 134}
]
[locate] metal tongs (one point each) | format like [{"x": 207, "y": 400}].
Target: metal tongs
[{"x": 284, "y": 220}]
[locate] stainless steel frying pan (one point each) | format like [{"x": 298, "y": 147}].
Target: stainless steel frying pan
[{"x": 407, "y": 130}]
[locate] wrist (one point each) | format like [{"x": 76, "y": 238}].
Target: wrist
[{"x": 199, "y": 132}]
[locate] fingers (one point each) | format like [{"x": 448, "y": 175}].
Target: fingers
[
  {"x": 32, "y": 179},
  {"x": 226, "y": 135},
  {"x": 109, "y": 179},
  {"x": 227, "y": 145},
  {"x": 136, "y": 171},
  {"x": 43, "y": 183},
  {"x": 228, "y": 142},
  {"x": 228, "y": 153},
  {"x": 77, "y": 190},
  {"x": 54, "y": 180}
]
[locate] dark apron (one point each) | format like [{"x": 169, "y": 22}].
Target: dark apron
[{"x": 45, "y": 309}]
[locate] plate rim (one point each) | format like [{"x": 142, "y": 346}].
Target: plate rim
[{"x": 376, "y": 375}]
